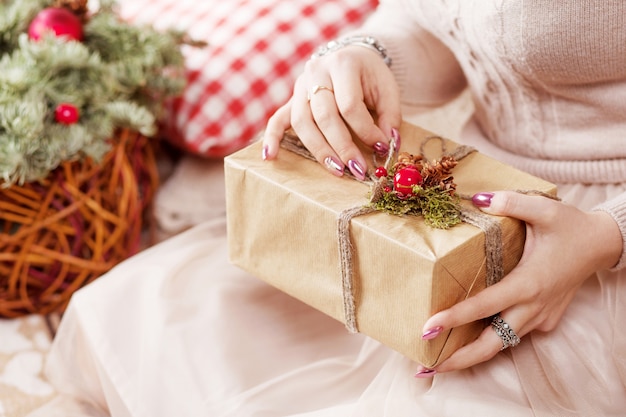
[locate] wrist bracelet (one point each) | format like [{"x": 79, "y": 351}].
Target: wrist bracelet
[{"x": 366, "y": 41}]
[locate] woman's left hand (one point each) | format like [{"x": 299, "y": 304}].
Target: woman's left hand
[{"x": 564, "y": 246}]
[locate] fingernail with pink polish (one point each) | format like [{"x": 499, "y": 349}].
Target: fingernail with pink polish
[
  {"x": 265, "y": 152},
  {"x": 381, "y": 148},
  {"x": 425, "y": 373},
  {"x": 356, "y": 168},
  {"x": 333, "y": 165},
  {"x": 395, "y": 135},
  {"x": 482, "y": 199},
  {"x": 432, "y": 333}
]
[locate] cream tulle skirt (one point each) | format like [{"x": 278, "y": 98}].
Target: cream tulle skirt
[{"x": 178, "y": 331}]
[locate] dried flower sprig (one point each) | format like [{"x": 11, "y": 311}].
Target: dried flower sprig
[{"x": 417, "y": 187}]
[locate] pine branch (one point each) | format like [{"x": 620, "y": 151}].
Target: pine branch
[{"x": 119, "y": 76}]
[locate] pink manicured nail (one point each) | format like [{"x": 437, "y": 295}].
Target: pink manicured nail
[
  {"x": 265, "y": 152},
  {"x": 356, "y": 169},
  {"x": 432, "y": 333},
  {"x": 425, "y": 373},
  {"x": 482, "y": 199},
  {"x": 334, "y": 166},
  {"x": 381, "y": 148},
  {"x": 395, "y": 135}
]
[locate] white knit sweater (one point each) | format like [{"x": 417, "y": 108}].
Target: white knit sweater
[{"x": 548, "y": 80}]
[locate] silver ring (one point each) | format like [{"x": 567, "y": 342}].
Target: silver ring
[
  {"x": 317, "y": 88},
  {"x": 505, "y": 332}
]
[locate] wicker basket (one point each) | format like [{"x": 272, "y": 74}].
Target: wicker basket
[{"x": 59, "y": 234}]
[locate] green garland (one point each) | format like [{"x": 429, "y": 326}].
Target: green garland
[{"x": 118, "y": 76}]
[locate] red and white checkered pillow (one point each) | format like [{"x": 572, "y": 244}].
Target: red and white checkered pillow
[{"x": 256, "y": 49}]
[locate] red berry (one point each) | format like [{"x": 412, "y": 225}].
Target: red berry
[
  {"x": 66, "y": 114},
  {"x": 405, "y": 179},
  {"x": 59, "y": 20},
  {"x": 380, "y": 172},
  {"x": 387, "y": 189}
]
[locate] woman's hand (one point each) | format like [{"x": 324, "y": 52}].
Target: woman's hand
[
  {"x": 564, "y": 246},
  {"x": 332, "y": 101}
]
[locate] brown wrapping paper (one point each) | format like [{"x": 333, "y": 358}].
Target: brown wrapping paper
[{"x": 282, "y": 227}]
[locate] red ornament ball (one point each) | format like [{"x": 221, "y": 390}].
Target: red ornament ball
[
  {"x": 66, "y": 114},
  {"x": 380, "y": 172},
  {"x": 59, "y": 20},
  {"x": 405, "y": 179}
]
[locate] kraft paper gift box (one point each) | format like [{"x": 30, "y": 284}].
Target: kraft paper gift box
[{"x": 282, "y": 228}]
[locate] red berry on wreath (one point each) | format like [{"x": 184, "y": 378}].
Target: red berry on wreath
[
  {"x": 380, "y": 172},
  {"x": 66, "y": 114},
  {"x": 60, "y": 21},
  {"x": 405, "y": 179}
]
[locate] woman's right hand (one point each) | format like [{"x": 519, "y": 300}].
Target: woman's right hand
[{"x": 333, "y": 102}]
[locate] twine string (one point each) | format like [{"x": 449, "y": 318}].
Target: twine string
[
  {"x": 494, "y": 256},
  {"x": 346, "y": 254}
]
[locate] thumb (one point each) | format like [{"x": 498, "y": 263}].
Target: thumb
[
  {"x": 387, "y": 106},
  {"x": 529, "y": 208},
  {"x": 388, "y": 112}
]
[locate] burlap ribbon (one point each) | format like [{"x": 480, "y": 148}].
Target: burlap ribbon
[{"x": 490, "y": 227}]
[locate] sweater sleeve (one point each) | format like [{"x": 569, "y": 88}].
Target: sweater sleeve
[
  {"x": 426, "y": 71},
  {"x": 616, "y": 207}
]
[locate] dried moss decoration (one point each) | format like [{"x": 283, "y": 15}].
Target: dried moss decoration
[
  {"x": 439, "y": 208},
  {"x": 431, "y": 191}
]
